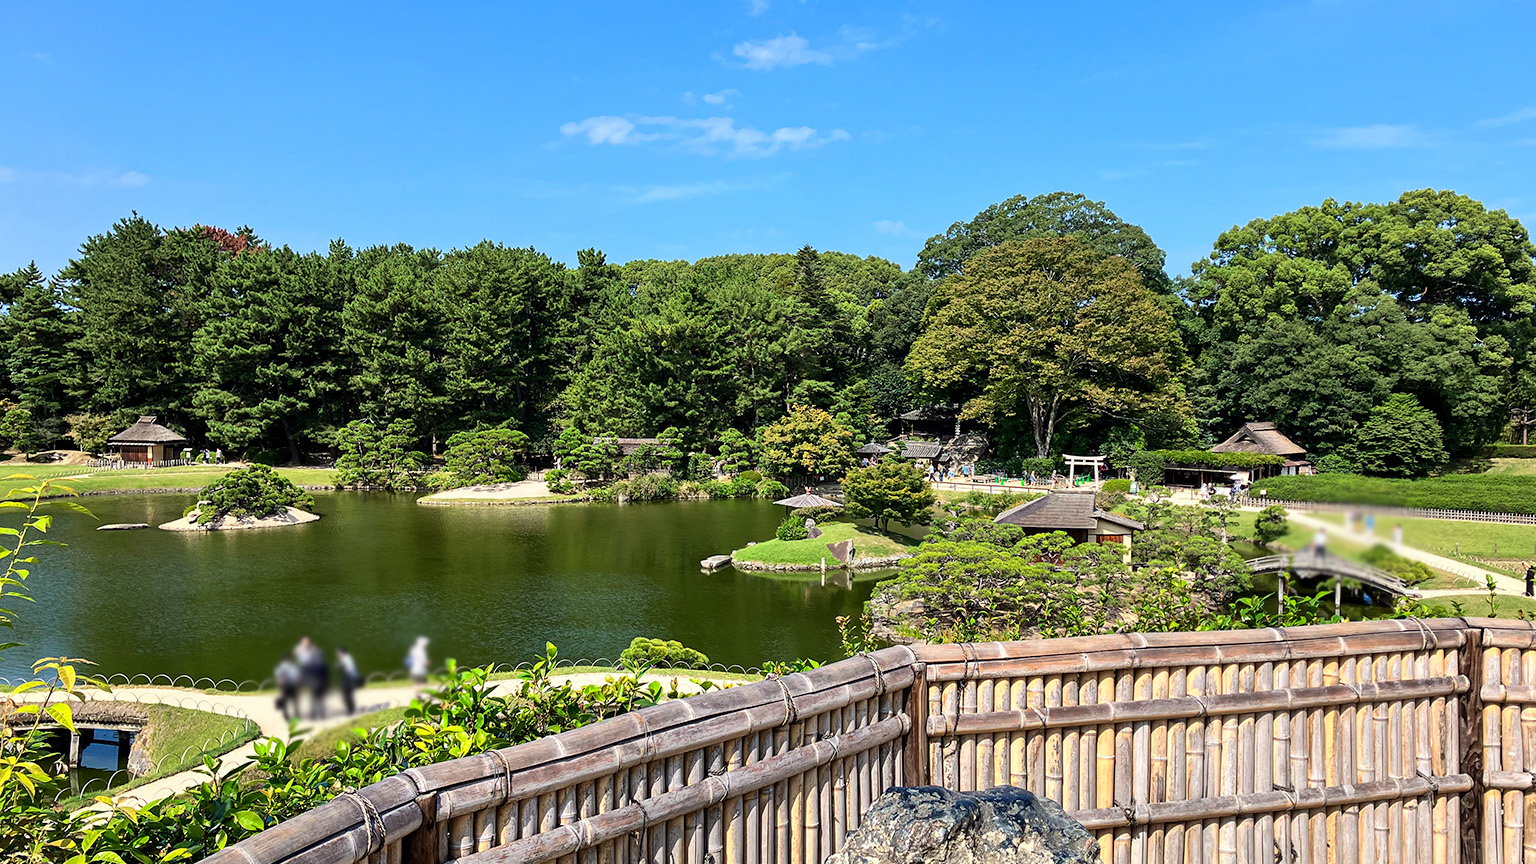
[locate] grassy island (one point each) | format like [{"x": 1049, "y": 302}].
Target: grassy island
[{"x": 867, "y": 543}]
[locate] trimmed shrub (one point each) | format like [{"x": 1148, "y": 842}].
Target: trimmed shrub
[
  {"x": 1491, "y": 493},
  {"x": 817, "y": 513},
  {"x": 1512, "y": 451},
  {"x": 664, "y": 653},
  {"x": 1118, "y": 484},
  {"x": 256, "y": 492},
  {"x": 771, "y": 489},
  {"x": 791, "y": 529},
  {"x": 1207, "y": 459},
  {"x": 1148, "y": 466},
  {"x": 752, "y": 477},
  {"x": 559, "y": 481},
  {"x": 1408, "y": 570},
  {"x": 646, "y": 487}
]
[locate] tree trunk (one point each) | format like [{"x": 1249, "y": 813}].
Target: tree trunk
[{"x": 293, "y": 447}]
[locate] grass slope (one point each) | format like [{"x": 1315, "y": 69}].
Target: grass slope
[
  {"x": 867, "y": 543},
  {"x": 191, "y": 478},
  {"x": 177, "y": 739},
  {"x": 1514, "y": 467},
  {"x": 1443, "y": 536}
]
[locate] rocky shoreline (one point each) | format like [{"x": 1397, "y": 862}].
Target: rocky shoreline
[
  {"x": 882, "y": 563},
  {"x": 290, "y": 516}
]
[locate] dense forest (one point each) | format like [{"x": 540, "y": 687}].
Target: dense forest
[{"x": 1320, "y": 320}]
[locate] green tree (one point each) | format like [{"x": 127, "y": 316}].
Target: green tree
[
  {"x": 1051, "y": 330},
  {"x": 486, "y": 456},
  {"x": 269, "y": 356},
  {"x": 1058, "y": 214},
  {"x": 255, "y": 491},
  {"x": 375, "y": 456},
  {"x": 1401, "y": 438},
  {"x": 737, "y": 452},
  {"x": 91, "y": 431},
  {"x": 889, "y": 489},
  {"x": 41, "y": 365},
  {"x": 1270, "y": 525},
  {"x": 805, "y": 441}
]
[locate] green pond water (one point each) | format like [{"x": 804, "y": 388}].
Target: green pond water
[{"x": 486, "y": 584}]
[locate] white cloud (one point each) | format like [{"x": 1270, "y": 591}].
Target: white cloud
[
  {"x": 791, "y": 50},
  {"x": 757, "y": 7},
  {"x": 1377, "y": 137},
  {"x": 721, "y": 97},
  {"x": 126, "y": 179},
  {"x": 604, "y": 130},
  {"x": 709, "y": 135},
  {"x": 1509, "y": 119},
  {"x": 132, "y": 178},
  {"x": 895, "y": 229}
]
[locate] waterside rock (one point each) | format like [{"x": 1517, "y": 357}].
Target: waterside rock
[
  {"x": 715, "y": 562},
  {"x": 1004, "y": 825},
  {"x": 123, "y": 526},
  {"x": 290, "y": 516}
]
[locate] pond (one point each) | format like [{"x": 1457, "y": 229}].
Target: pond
[{"x": 487, "y": 584}]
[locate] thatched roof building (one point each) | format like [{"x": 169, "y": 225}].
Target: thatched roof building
[
  {"x": 1261, "y": 438},
  {"x": 147, "y": 441},
  {"x": 1074, "y": 513}
]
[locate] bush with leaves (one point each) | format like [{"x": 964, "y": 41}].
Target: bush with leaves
[
  {"x": 791, "y": 529},
  {"x": 1270, "y": 525},
  {"x": 376, "y": 457},
  {"x": 255, "y": 492},
  {"x": 806, "y": 441},
  {"x": 770, "y": 489},
  {"x": 1147, "y": 466},
  {"x": 91, "y": 431},
  {"x": 558, "y": 481},
  {"x": 889, "y": 489},
  {"x": 1401, "y": 438},
  {"x": 486, "y": 456},
  {"x": 663, "y": 653},
  {"x": 737, "y": 452}
]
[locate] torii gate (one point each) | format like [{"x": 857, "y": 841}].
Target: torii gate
[{"x": 1076, "y": 462}]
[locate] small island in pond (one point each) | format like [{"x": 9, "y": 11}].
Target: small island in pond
[{"x": 250, "y": 497}]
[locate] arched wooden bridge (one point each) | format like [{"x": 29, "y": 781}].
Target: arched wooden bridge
[{"x": 1312, "y": 563}]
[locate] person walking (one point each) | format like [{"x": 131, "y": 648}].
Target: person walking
[
  {"x": 417, "y": 663},
  {"x": 1530, "y": 580},
  {"x": 347, "y": 677},
  {"x": 316, "y": 673},
  {"x": 287, "y": 677}
]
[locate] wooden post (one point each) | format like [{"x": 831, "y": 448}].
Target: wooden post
[
  {"x": 420, "y": 846},
  {"x": 1338, "y": 594},
  {"x": 914, "y": 757}
]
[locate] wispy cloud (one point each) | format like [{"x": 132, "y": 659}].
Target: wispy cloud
[
  {"x": 757, "y": 7},
  {"x": 720, "y": 97},
  {"x": 1377, "y": 137},
  {"x": 709, "y": 136},
  {"x": 42, "y": 57},
  {"x": 683, "y": 191},
  {"x": 1509, "y": 119},
  {"x": 791, "y": 50},
  {"x": 895, "y": 229}
]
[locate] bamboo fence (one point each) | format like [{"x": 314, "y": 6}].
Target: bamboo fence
[{"x": 1337, "y": 744}]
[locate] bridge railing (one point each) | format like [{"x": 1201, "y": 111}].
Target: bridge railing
[{"x": 1336, "y": 744}]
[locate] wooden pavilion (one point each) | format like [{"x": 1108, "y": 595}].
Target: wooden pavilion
[
  {"x": 147, "y": 443},
  {"x": 1256, "y": 438},
  {"x": 1074, "y": 513}
]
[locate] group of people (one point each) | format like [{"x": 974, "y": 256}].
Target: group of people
[
  {"x": 1211, "y": 490},
  {"x": 207, "y": 457},
  {"x": 305, "y": 668}
]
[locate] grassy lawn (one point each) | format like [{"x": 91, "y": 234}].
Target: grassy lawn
[
  {"x": 189, "y": 477},
  {"x": 1443, "y": 536},
  {"x": 323, "y": 743},
  {"x": 1504, "y": 606},
  {"x": 867, "y": 543},
  {"x": 1514, "y": 467}
]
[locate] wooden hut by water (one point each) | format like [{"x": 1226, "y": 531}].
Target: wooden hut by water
[{"x": 146, "y": 442}]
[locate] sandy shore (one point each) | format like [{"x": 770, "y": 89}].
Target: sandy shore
[
  {"x": 292, "y": 516},
  {"x": 521, "y": 492}
]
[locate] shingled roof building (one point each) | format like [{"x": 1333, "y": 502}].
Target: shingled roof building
[
  {"x": 1074, "y": 513},
  {"x": 147, "y": 442}
]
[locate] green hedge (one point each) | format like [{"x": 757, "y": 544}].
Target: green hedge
[
  {"x": 1512, "y": 451},
  {"x": 1218, "y": 460},
  {"x": 1491, "y": 493}
]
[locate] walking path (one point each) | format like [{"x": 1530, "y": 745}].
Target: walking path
[{"x": 261, "y": 709}]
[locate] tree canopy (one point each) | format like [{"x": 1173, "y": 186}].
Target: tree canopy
[{"x": 1052, "y": 331}]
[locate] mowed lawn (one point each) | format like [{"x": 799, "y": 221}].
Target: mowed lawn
[
  {"x": 1448, "y": 536},
  {"x": 191, "y": 477},
  {"x": 1514, "y": 467},
  {"x": 867, "y": 543}
]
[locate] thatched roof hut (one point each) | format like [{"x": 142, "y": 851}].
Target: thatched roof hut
[
  {"x": 1261, "y": 438},
  {"x": 147, "y": 441}
]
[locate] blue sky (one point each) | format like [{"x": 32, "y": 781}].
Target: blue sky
[{"x": 685, "y": 130}]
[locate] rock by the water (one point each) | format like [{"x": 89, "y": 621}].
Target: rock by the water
[
  {"x": 715, "y": 562},
  {"x": 123, "y": 526},
  {"x": 1005, "y": 825}
]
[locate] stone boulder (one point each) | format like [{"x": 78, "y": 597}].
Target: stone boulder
[{"x": 1005, "y": 825}]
